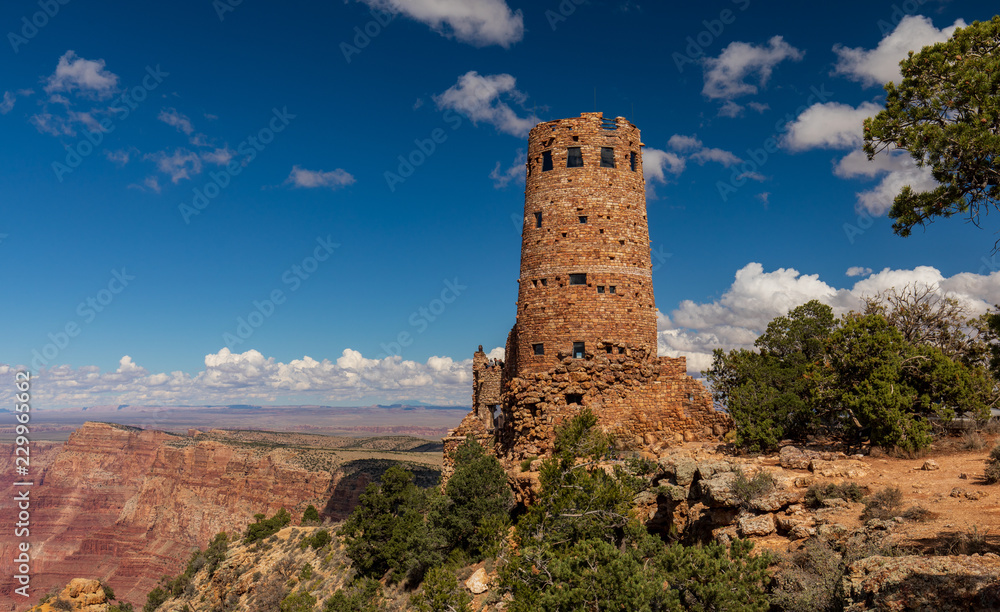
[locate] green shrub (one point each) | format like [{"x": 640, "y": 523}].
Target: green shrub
[
  {"x": 306, "y": 573},
  {"x": 850, "y": 491},
  {"x": 883, "y": 505},
  {"x": 311, "y": 516},
  {"x": 298, "y": 602},
  {"x": 155, "y": 599},
  {"x": 265, "y": 527},
  {"x": 526, "y": 463},
  {"x": 808, "y": 581},
  {"x": 364, "y": 595},
  {"x": 748, "y": 489},
  {"x": 476, "y": 492},
  {"x": 441, "y": 593},
  {"x": 992, "y": 473},
  {"x": 918, "y": 514},
  {"x": 317, "y": 540}
]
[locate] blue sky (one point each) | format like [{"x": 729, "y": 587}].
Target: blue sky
[{"x": 221, "y": 202}]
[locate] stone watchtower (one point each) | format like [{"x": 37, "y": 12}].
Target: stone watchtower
[
  {"x": 585, "y": 330},
  {"x": 586, "y": 282}
]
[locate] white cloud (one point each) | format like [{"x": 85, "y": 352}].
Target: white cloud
[
  {"x": 514, "y": 172},
  {"x": 7, "y": 104},
  {"x": 480, "y": 98},
  {"x": 880, "y": 65},
  {"x": 219, "y": 157},
  {"x": 897, "y": 169},
  {"x": 719, "y": 156},
  {"x": 476, "y": 22},
  {"x": 119, "y": 157},
  {"x": 171, "y": 117},
  {"x": 731, "y": 109},
  {"x": 181, "y": 164},
  {"x": 236, "y": 378},
  {"x": 757, "y": 106},
  {"x": 657, "y": 164},
  {"x": 310, "y": 179},
  {"x": 755, "y": 297},
  {"x": 88, "y": 77},
  {"x": 830, "y": 125},
  {"x": 725, "y": 76},
  {"x": 679, "y": 142}
]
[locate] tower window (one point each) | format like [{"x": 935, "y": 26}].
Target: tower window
[
  {"x": 608, "y": 348},
  {"x": 611, "y": 289},
  {"x": 546, "y": 160},
  {"x": 600, "y": 288},
  {"x": 538, "y": 217},
  {"x": 574, "y": 398},
  {"x": 632, "y": 158},
  {"x": 545, "y": 282},
  {"x": 607, "y": 157},
  {"x": 583, "y": 218},
  {"x": 578, "y": 279},
  {"x": 538, "y": 348},
  {"x": 578, "y": 348},
  {"x": 574, "y": 158}
]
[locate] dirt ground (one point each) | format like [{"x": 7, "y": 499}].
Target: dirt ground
[{"x": 961, "y": 504}]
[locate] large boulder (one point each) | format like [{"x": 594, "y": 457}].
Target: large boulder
[{"x": 958, "y": 583}]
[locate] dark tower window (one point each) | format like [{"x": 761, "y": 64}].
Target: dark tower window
[
  {"x": 578, "y": 279},
  {"x": 600, "y": 288},
  {"x": 607, "y": 349},
  {"x": 578, "y": 350},
  {"x": 546, "y": 160},
  {"x": 583, "y": 218},
  {"x": 632, "y": 160},
  {"x": 611, "y": 289},
  {"x": 574, "y": 158},
  {"x": 545, "y": 282},
  {"x": 607, "y": 157},
  {"x": 538, "y": 348},
  {"x": 574, "y": 398},
  {"x": 538, "y": 219}
]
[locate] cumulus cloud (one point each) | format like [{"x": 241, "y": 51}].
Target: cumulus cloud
[
  {"x": 755, "y": 297},
  {"x": 657, "y": 164},
  {"x": 726, "y": 76},
  {"x": 87, "y": 77},
  {"x": 515, "y": 172},
  {"x": 881, "y": 65},
  {"x": 897, "y": 170},
  {"x": 476, "y": 22},
  {"x": 830, "y": 125},
  {"x": 239, "y": 378},
  {"x": 311, "y": 179},
  {"x": 481, "y": 98}
]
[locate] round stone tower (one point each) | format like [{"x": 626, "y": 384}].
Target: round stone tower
[{"x": 586, "y": 283}]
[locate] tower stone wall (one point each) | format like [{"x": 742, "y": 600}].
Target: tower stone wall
[{"x": 585, "y": 328}]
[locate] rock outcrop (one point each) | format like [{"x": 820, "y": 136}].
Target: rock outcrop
[{"x": 957, "y": 583}]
